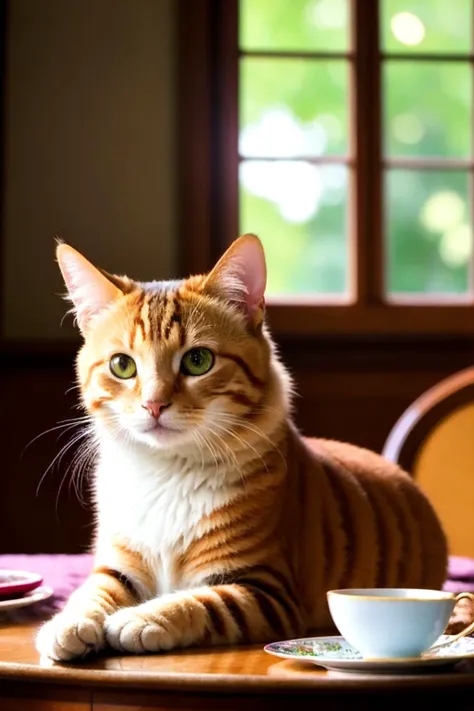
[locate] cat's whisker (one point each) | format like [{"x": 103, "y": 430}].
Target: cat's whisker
[
  {"x": 242, "y": 441},
  {"x": 219, "y": 448},
  {"x": 72, "y": 465},
  {"x": 73, "y": 387},
  {"x": 212, "y": 450},
  {"x": 75, "y": 478},
  {"x": 239, "y": 422},
  {"x": 83, "y": 418},
  {"x": 76, "y": 471},
  {"x": 85, "y": 452},
  {"x": 82, "y": 465},
  {"x": 60, "y": 454},
  {"x": 198, "y": 439},
  {"x": 227, "y": 451},
  {"x": 65, "y": 427}
]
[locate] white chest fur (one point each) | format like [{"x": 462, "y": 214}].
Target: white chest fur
[{"x": 156, "y": 502}]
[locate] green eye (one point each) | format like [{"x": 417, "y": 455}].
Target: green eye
[
  {"x": 122, "y": 366},
  {"x": 197, "y": 361}
]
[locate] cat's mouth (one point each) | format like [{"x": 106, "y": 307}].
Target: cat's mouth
[{"x": 159, "y": 428}]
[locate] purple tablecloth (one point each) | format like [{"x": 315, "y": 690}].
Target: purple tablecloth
[
  {"x": 64, "y": 573},
  {"x": 461, "y": 571}
]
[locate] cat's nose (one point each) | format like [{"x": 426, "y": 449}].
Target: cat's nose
[{"x": 155, "y": 407}]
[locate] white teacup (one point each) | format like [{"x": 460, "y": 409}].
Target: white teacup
[{"x": 383, "y": 623}]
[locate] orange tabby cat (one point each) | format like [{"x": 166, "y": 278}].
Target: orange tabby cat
[{"x": 217, "y": 522}]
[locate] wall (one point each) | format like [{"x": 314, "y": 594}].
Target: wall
[{"x": 89, "y": 148}]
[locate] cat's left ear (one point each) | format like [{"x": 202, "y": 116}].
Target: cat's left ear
[
  {"x": 240, "y": 276},
  {"x": 89, "y": 289}
]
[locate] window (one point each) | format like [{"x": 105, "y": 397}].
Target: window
[
  {"x": 295, "y": 142},
  {"x": 341, "y": 133}
]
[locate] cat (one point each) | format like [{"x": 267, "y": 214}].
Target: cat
[{"x": 217, "y": 522}]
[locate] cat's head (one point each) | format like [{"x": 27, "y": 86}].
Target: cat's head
[{"x": 166, "y": 363}]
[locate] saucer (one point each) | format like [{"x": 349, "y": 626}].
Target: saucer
[
  {"x": 29, "y": 598},
  {"x": 14, "y": 583},
  {"x": 335, "y": 653}
]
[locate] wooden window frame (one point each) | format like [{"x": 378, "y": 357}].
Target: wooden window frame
[{"x": 208, "y": 67}]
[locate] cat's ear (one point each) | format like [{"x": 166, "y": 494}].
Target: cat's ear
[
  {"x": 89, "y": 289},
  {"x": 240, "y": 276}
]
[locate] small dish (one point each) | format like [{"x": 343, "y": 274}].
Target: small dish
[
  {"x": 14, "y": 583},
  {"x": 335, "y": 653},
  {"x": 29, "y": 598}
]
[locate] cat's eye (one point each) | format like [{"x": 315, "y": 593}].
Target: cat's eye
[
  {"x": 197, "y": 361},
  {"x": 123, "y": 366}
]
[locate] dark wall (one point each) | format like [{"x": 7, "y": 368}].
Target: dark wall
[{"x": 88, "y": 149}]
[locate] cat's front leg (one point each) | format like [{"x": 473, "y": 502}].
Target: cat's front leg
[
  {"x": 79, "y": 628},
  {"x": 244, "y": 612}
]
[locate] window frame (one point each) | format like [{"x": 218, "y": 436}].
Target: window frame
[{"x": 208, "y": 161}]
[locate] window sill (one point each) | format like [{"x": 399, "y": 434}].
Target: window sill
[{"x": 310, "y": 319}]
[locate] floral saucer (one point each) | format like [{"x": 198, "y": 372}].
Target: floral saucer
[{"x": 335, "y": 653}]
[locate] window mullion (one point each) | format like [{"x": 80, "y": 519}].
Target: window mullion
[
  {"x": 225, "y": 189},
  {"x": 367, "y": 232}
]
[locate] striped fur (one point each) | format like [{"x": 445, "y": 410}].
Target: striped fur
[{"x": 229, "y": 527}]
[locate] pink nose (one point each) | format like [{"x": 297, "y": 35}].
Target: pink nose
[{"x": 155, "y": 407}]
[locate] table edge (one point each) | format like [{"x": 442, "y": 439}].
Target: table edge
[{"x": 228, "y": 683}]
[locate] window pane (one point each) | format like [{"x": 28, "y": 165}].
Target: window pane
[
  {"x": 298, "y": 25},
  {"x": 429, "y": 231},
  {"x": 427, "y": 109},
  {"x": 426, "y": 25},
  {"x": 299, "y": 211},
  {"x": 293, "y": 107}
]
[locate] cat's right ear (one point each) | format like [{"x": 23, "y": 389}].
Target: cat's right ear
[{"x": 89, "y": 290}]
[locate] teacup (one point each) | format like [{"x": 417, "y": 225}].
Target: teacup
[{"x": 389, "y": 623}]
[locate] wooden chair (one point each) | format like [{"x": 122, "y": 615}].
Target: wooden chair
[{"x": 434, "y": 441}]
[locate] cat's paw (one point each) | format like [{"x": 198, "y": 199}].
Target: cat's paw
[
  {"x": 65, "y": 637},
  {"x": 135, "y": 630}
]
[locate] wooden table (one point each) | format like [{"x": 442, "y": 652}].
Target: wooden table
[{"x": 226, "y": 679}]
